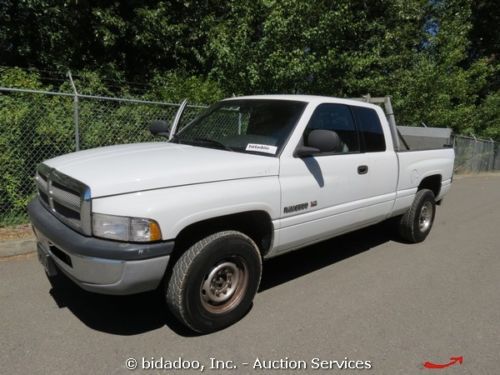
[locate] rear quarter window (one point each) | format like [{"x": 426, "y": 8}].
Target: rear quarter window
[{"x": 370, "y": 128}]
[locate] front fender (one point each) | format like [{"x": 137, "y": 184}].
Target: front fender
[{"x": 176, "y": 208}]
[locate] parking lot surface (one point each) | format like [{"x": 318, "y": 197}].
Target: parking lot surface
[{"x": 363, "y": 297}]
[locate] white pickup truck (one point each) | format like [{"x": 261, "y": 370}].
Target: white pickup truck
[{"x": 251, "y": 178}]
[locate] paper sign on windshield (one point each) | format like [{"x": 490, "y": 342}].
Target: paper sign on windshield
[{"x": 262, "y": 148}]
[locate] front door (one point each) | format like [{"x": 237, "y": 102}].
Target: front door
[{"x": 334, "y": 192}]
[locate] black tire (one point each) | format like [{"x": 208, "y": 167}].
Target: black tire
[
  {"x": 214, "y": 282},
  {"x": 416, "y": 223}
]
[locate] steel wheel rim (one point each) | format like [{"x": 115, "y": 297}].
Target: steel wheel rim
[
  {"x": 425, "y": 217},
  {"x": 224, "y": 286}
]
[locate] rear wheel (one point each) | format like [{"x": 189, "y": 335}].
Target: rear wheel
[
  {"x": 214, "y": 282},
  {"x": 416, "y": 223}
]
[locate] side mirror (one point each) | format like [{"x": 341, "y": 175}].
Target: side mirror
[
  {"x": 159, "y": 127},
  {"x": 304, "y": 151},
  {"x": 324, "y": 140},
  {"x": 318, "y": 141}
]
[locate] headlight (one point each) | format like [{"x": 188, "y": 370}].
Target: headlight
[{"x": 124, "y": 228}]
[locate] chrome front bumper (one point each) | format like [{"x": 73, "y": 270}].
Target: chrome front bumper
[{"x": 124, "y": 268}]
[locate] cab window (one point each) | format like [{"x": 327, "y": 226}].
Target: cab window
[
  {"x": 370, "y": 129},
  {"x": 337, "y": 118}
]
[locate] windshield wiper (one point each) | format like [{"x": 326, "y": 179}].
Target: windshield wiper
[
  {"x": 177, "y": 139},
  {"x": 213, "y": 142}
]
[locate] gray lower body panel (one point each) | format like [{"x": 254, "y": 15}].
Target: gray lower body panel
[
  {"x": 128, "y": 269},
  {"x": 107, "y": 276}
]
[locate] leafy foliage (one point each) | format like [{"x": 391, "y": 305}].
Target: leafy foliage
[
  {"x": 45, "y": 126},
  {"x": 437, "y": 58}
]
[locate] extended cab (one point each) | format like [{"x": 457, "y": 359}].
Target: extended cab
[{"x": 251, "y": 178}]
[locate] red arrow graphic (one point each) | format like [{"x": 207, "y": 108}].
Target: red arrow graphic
[{"x": 453, "y": 360}]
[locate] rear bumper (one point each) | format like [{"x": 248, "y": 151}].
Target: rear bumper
[{"x": 97, "y": 265}]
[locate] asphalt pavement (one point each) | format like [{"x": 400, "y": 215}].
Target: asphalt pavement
[{"x": 361, "y": 297}]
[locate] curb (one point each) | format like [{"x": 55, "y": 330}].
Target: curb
[{"x": 9, "y": 248}]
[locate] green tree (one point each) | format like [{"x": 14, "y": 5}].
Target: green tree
[{"x": 438, "y": 58}]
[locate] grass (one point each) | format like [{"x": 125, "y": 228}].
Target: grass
[{"x": 12, "y": 219}]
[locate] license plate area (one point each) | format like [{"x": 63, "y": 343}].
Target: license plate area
[{"x": 46, "y": 261}]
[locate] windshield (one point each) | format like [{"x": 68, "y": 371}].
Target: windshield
[{"x": 253, "y": 126}]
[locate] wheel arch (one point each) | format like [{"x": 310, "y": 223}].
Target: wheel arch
[
  {"x": 432, "y": 182},
  {"x": 256, "y": 224}
]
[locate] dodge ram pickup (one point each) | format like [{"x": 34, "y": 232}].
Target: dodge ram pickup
[{"x": 249, "y": 179}]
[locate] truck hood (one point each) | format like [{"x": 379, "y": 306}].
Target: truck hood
[{"x": 135, "y": 167}]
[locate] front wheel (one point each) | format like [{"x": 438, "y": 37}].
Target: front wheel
[
  {"x": 416, "y": 223},
  {"x": 214, "y": 282}
]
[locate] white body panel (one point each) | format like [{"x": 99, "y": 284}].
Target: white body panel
[
  {"x": 416, "y": 165},
  {"x": 176, "y": 208},
  {"x": 143, "y": 166},
  {"x": 178, "y": 185},
  {"x": 346, "y": 200}
]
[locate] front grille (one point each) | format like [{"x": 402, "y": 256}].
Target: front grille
[
  {"x": 67, "y": 198},
  {"x": 43, "y": 196}
]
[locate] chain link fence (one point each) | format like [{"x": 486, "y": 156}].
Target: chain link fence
[
  {"x": 38, "y": 125},
  {"x": 106, "y": 121},
  {"x": 475, "y": 155}
]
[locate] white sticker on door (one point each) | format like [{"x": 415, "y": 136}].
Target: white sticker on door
[{"x": 262, "y": 148}]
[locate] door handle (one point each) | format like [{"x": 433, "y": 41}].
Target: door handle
[{"x": 363, "y": 169}]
